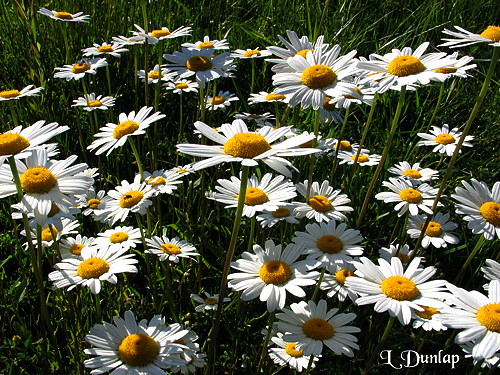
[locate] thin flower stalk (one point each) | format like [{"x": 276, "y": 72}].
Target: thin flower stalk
[
  {"x": 478, "y": 245},
  {"x": 263, "y": 353},
  {"x": 380, "y": 345},
  {"x": 337, "y": 149},
  {"x": 313, "y": 156}
]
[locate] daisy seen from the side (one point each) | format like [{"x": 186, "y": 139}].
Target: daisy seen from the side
[
  {"x": 413, "y": 173},
  {"x": 16, "y": 94},
  {"x": 160, "y": 34},
  {"x": 458, "y": 68},
  {"x": 157, "y": 74},
  {"x": 250, "y": 53},
  {"x": 438, "y": 232},
  {"x": 364, "y": 160},
  {"x": 334, "y": 281},
  {"x": 208, "y": 303},
  {"x": 163, "y": 182},
  {"x": 170, "y": 249},
  {"x": 79, "y": 69},
  {"x": 283, "y": 213},
  {"x": 491, "y": 36},
  {"x": 64, "y": 16},
  {"x": 113, "y": 49},
  {"x": 90, "y": 201},
  {"x": 119, "y": 238},
  {"x": 396, "y": 250},
  {"x": 285, "y": 354},
  {"x": 181, "y": 86},
  {"x": 491, "y": 270},
  {"x": 428, "y": 318},
  {"x": 222, "y": 100},
  {"x": 264, "y": 97},
  {"x": 91, "y": 102},
  {"x": 207, "y": 43},
  {"x": 444, "y": 140}
]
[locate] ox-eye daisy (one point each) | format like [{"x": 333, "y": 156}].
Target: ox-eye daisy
[
  {"x": 250, "y": 53},
  {"x": 237, "y": 143},
  {"x": 16, "y": 94},
  {"x": 91, "y": 101},
  {"x": 458, "y": 68},
  {"x": 79, "y": 69},
  {"x": 118, "y": 238},
  {"x": 481, "y": 207},
  {"x": 113, "y": 49},
  {"x": 64, "y": 16},
  {"x": 329, "y": 112},
  {"x": 443, "y": 139},
  {"x": 207, "y": 43},
  {"x": 115, "y": 135},
  {"x": 491, "y": 270},
  {"x": 311, "y": 326},
  {"x": 71, "y": 247},
  {"x": 208, "y": 303},
  {"x": 159, "y": 34},
  {"x": 364, "y": 160},
  {"x": 222, "y": 100},
  {"x": 334, "y": 282},
  {"x": 286, "y": 354},
  {"x": 157, "y": 74},
  {"x": 413, "y": 173},
  {"x": 163, "y": 182},
  {"x": 283, "y": 213},
  {"x": 264, "y": 97},
  {"x": 90, "y": 201},
  {"x": 491, "y": 36},
  {"x": 437, "y": 232},
  {"x": 181, "y": 86},
  {"x": 396, "y": 250},
  {"x": 390, "y": 287},
  {"x": 170, "y": 249},
  {"x": 428, "y": 319},
  {"x": 271, "y": 273}
]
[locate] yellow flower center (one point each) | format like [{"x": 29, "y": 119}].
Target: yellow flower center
[
  {"x": 303, "y": 53},
  {"x": 412, "y": 173},
  {"x": 445, "y": 70},
  {"x": 246, "y": 145},
  {"x": 251, "y": 53},
  {"x": 160, "y": 33},
  {"x": 210, "y": 301},
  {"x": 341, "y": 275},
  {"x": 327, "y": 106},
  {"x": 329, "y": 244},
  {"x": 93, "y": 203},
  {"x": 433, "y": 229},
  {"x": 254, "y": 196},
  {"x": 156, "y": 181},
  {"x": 275, "y": 272},
  {"x": 181, "y": 171},
  {"x": 155, "y": 75},
  {"x": 199, "y": 63},
  {"x": 403, "y": 257},
  {"x": 404, "y": 66},
  {"x": 80, "y": 68},
  {"x": 170, "y": 249},
  {"x": 320, "y": 203},
  {"x": 47, "y": 235},
  {"x": 255, "y": 117},
  {"x": 410, "y": 195},
  {"x": 281, "y": 212},
  {"x": 92, "y": 268},
  {"x": 492, "y": 32},
  {"x": 105, "y": 49},
  {"x": 63, "y": 15},
  {"x": 318, "y": 329},
  {"x": 205, "y": 45},
  {"x": 217, "y": 100},
  {"x": 38, "y": 180},
  {"x": 345, "y": 146},
  {"x": 427, "y": 313},
  {"x": 138, "y": 350},
  {"x": 125, "y": 128},
  {"x": 273, "y": 97},
  {"x": 490, "y": 211},
  {"x": 444, "y": 139},
  {"x": 489, "y": 316},
  {"x": 181, "y": 85},
  {"x": 118, "y": 237},
  {"x": 9, "y": 94},
  {"x": 76, "y": 249},
  {"x": 318, "y": 76},
  {"x": 95, "y": 103},
  {"x": 131, "y": 198},
  {"x": 290, "y": 350},
  {"x": 12, "y": 143},
  {"x": 361, "y": 159},
  {"x": 400, "y": 288}
]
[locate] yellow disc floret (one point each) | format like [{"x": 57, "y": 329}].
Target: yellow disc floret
[
  {"x": 327, "y": 106},
  {"x": 181, "y": 85},
  {"x": 217, "y": 100},
  {"x": 63, "y": 15},
  {"x": 404, "y": 66},
  {"x": 303, "y": 53},
  {"x": 330, "y": 244},
  {"x": 492, "y": 32},
  {"x": 131, "y": 198},
  {"x": 95, "y": 103},
  {"x": 400, "y": 288},
  {"x": 170, "y": 249},
  {"x": 403, "y": 257},
  {"x": 47, "y": 234},
  {"x": 246, "y": 145},
  {"x": 361, "y": 159},
  {"x": 125, "y": 128},
  {"x": 81, "y": 67},
  {"x": 281, "y": 212},
  {"x": 318, "y": 329},
  {"x": 210, "y": 301},
  {"x": 255, "y": 196},
  {"x": 118, "y": 237},
  {"x": 445, "y": 70},
  {"x": 412, "y": 173},
  {"x": 490, "y": 211},
  {"x": 444, "y": 139},
  {"x": 320, "y": 203},
  {"x": 318, "y": 76},
  {"x": 489, "y": 316},
  {"x": 92, "y": 268},
  {"x": 427, "y": 313},
  {"x": 410, "y": 195},
  {"x": 76, "y": 249},
  {"x": 105, "y": 49},
  {"x": 156, "y": 181},
  {"x": 251, "y": 53},
  {"x": 138, "y": 350},
  {"x": 274, "y": 97},
  {"x": 341, "y": 275},
  {"x": 93, "y": 203},
  {"x": 9, "y": 94},
  {"x": 155, "y": 75},
  {"x": 433, "y": 229},
  {"x": 275, "y": 272},
  {"x": 12, "y": 143},
  {"x": 205, "y": 45},
  {"x": 290, "y": 350},
  {"x": 198, "y": 63},
  {"x": 160, "y": 33},
  {"x": 38, "y": 180}
]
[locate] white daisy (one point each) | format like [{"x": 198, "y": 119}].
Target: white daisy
[
  {"x": 364, "y": 160},
  {"x": 96, "y": 264},
  {"x": 491, "y": 270},
  {"x": 443, "y": 139},
  {"x": 334, "y": 282},
  {"x": 91, "y": 102},
  {"x": 207, "y": 44},
  {"x": 64, "y": 16},
  {"x": 67, "y": 226},
  {"x": 283, "y": 213},
  {"x": 221, "y": 100},
  {"x": 115, "y": 135},
  {"x": 163, "y": 182},
  {"x": 128, "y": 41},
  {"x": 264, "y": 97},
  {"x": 208, "y": 303},
  {"x": 268, "y": 194},
  {"x": 286, "y": 354},
  {"x": 329, "y": 112},
  {"x": 310, "y": 326},
  {"x": 271, "y": 273},
  {"x": 71, "y": 247},
  {"x": 396, "y": 250},
  {"x": 79, "y": 69},
  {"x": 250, "y": 53},
  {"x": 113, "y": 49},
  {"x": 482, "y": 208},
  {"x": 428, "y": 319},
  {"x": 118, "y": 238},
  {"x": 170, "y": 249},
  {"x": 181, "y": 86},
  {"x": 437, "y": 232},
  {"x": 91, "y": 172},
  {"x": 90, "y": 202},
  {"x": 464, "y": 38},
  {"x": 237, "y": 143},
  {"x": 159, "y": 34},
  {"x": 16, "y": 94},
  {"x": 392, "y": 288},
  {"x": 330, "y": 243},
  {"x": 458, "y": 68},
  {"x": 468, "y": 347},
  {"x": 408, "y": 197},
  {"x": 413, "y": 173},
  {"x": 157, "y": 74},
  {"x": 55, "y": 217},
  {"x": 263, "y": 119},
  {"x": 363, "y": 94},
  {"x": 196, "y": 361},
  {"x": 344, "y": 147},
  {"x": 324, "y": 204},
  {"x": 129, "y": 348}
]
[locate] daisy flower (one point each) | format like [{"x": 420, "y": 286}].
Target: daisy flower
[
  {"x": 392, "y": 288},
  {"x": 91, "y": 172},
  {"x": 200, "y": 63},
  {"x": 115, "y": 135},
  {"x": 458, "y": 68},
  {"x": 334, "y": 282},
  {"x": 91, "y": 200},
  {"x": 271, "y": 273},
  {"x": 264, "y": 97},
  {"x": 95, "y": 265},
  {"x": 125, "y": 199},
  {"x": 364, "y": 160},
  {"x": 163, "y": 182},
  {"x": 481, "y": 207},
  {"x": 67, "y": 226},
  {"x": 263, "y": 119},
  {"x": 250, "y": 53},
  {"x": 181, "y": 86},
  {"x": 329, "y": 243},
  {"x": 64, "y": 16},
  {"x": 113, "y": 49},
  {"x": 478, "y": 316},
  {"x": 128, "y": 41},
  {"x": 464, "y": 38},
  {"x": 237, "y": 143},
  {"x": 129, "y": 348},
  {"x": 313, "y": 78},
  {"x": 159, "y": 34},
  {"x": 170, "y": 249},
  {"x": 207, "y": 303},
  {"x": 328, "y": 112},
  {"x": 286, "y": 354},
  {"x": 428, "y": 319},
  {"x": 414, "y": 173},
  {"x": 437, "y": 232},
  {"x": 362, "y": 94},
  {"x": 55, "y": 217},
  {"x": 443, "y": 139},
  {"x": 491, "y": 270},
  {"x": 268, "y": 194},
  {"x": 90, "y": 102},
  {"x": 345, "y": 146},
  {"x": 207, "y": 44},
  {"x": 222, "y": 100},
  {"x": 408, "y": 197},
  {"x": 118, "y": 238},
  {"x": 403, "y": 68},
  {"x": 197, "y": 361},
  {"x": 16, "y": 94},
  {"x": 71, "y": 247},
  {"x": 468, "y": 347},
  {"x": 156, "y": 75},
  {"x": 79, "y": 69},
  {"x": 310, "y": 326},
  {"x": 324, "y": 204},
  {"x": 402, "y": 252},
  {"x": 283, "y": 213}
]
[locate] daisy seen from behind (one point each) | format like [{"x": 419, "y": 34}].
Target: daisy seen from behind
[
  {"x": 286, "y": 354},
  {"x": 491, "y": 36},
  {"x": 438, "y": 232},
  {"x": 444, "y": 140},
  {"x": 170, "y": 249},
  {"x": 64, "y": 16},
  {"x": 208, "y": 303},
  {"x": 80, "y": 68},
  {"x": 16, "y": 94}
]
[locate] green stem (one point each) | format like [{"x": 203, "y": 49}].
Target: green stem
[
  {"x": 479, "y": 243},
  {"x": 170, "y": 294},
  {"x": 137, "y": 157},
  {"x": 337, "y": 149},
  {"x": 252, "y": 233},
  {"x": 313, "y": 156},
  {"x": 380, "y": 345},
  {"x": 318, "y": 284},
  {"x": 98, "y": 307},
  {"x": 309, "y": 364},
  {"x": 253, "y": 75},
  {"x": 263, "y": 354},
  {"x": 13, "y": 112}
]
